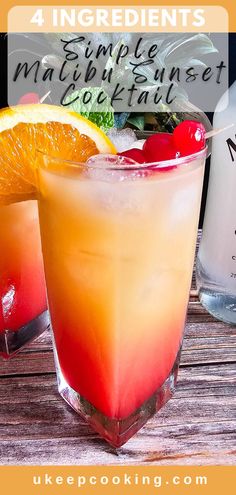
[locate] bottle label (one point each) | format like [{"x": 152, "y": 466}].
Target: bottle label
[
  {"x": 217, "y": 252},
  {"x": 232, "y": 148}
]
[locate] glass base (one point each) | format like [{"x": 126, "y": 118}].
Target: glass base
[
  {"x": 219, "y": 302},
  {"x": 118, "y": 431},
  {"x": 12, "y": 342}
]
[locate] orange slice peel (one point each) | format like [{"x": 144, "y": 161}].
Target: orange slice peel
[{"x": 24, "y": 129}]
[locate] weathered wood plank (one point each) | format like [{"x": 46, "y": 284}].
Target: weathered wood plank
[
  {"x": 162, "y": 449},
  {"x": 203, "y": 330},
  {"x": 206, "y": 436},
  {"x": 32, "y": 362},
  {"x": 196, "y": 313}
]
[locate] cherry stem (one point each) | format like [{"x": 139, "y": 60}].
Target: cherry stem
[
  {"x": 44, "y": 97},
  {"x": 214, "y": 132}
]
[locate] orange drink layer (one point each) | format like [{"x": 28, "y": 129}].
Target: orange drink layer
[
  {"x": 23, "y": 130},
  {"x": 22, "y": 285},
  {"x": 118, "y": 251}
]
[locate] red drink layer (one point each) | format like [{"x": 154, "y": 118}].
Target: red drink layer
[
  {"x": 22, "y": 286},
  {"x": 118, "y": 251}
]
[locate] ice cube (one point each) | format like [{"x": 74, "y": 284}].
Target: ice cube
[
  {"x": 137, "y": 144},
  {"x": 122, "y": 138},
  {"x": 106, "y": 160},
  {"x": 105, "y": 167},
  {"x": 109, "y": 183}
]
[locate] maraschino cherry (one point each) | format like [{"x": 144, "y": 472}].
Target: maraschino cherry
[
  {"x": 135, "y": 153},
  {"x": 160, "y": 147},
  {"x": 189, "y": 137},
  {"x": 29, "y": 98}
]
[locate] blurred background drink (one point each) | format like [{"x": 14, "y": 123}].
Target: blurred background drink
[
  {"x": 118, "y": 248},
  {"x": 23, "y": 307},
  {"x": 24, "y": 129}
]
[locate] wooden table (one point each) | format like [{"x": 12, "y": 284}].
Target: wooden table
[{"x": 197, "y": 427}]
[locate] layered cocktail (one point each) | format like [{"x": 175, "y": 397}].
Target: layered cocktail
[
  {"x": 23, "y": 307},
  {"x": 118, "y": 244},
  {"x": 24, "y": 129},
  {"x": 118, "y": 236}
]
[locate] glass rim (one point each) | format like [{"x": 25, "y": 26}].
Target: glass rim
[{"x": 72, "y": 164}]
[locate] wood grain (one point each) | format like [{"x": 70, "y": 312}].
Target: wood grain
[
  {"x": 197, "y": 427},
  {"x": 43, "y": 429}
]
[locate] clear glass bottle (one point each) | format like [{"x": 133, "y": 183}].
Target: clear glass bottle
[{"x": 216, "y": 263}]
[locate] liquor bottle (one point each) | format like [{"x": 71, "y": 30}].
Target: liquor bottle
[{"x": 216, "y": 263}]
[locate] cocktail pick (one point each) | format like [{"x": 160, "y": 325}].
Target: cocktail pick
[
  {"x": 214, "y": 132},
  {"x": 44, "y": 97}
]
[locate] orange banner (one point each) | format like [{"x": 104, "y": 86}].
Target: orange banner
[
  {"x": 228, "y": 5},
  {"x": 125, "y": 480},
  {"x": 130, "y": 18}
]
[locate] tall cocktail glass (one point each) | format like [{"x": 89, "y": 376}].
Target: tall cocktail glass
[
  {"x": 23, "y": 306},
  {"x": 118, "y": 245}
]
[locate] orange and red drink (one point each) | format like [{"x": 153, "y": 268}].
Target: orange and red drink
[
  {"x": 23, "y": 130},
  {"x": 118, "y": 240},
  {"x": 23, "y": 306},
  {"x": 118, "y": 248}
]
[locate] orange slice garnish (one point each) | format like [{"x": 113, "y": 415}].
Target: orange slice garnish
[{"x": 24, "y": 129}]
